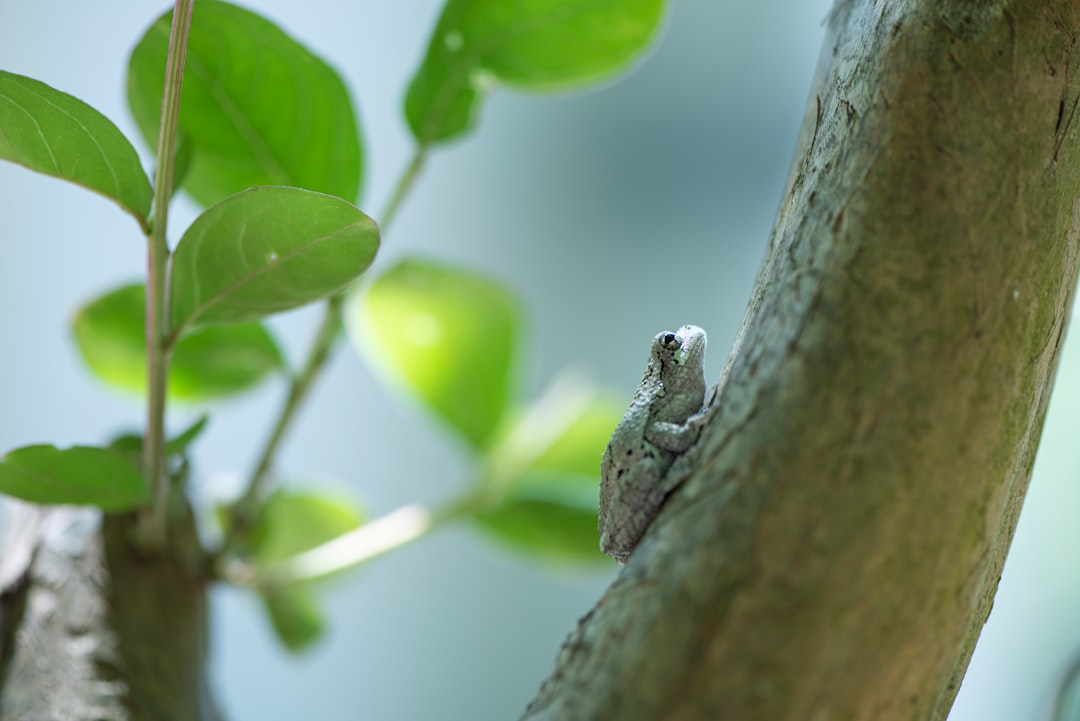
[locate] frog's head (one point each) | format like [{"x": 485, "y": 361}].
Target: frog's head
[{"x": 684, "y": 348}]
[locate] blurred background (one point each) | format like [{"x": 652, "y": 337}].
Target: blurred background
[{"x": 614, "y": 214}]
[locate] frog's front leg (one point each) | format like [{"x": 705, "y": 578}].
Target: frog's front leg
[
  {"x": 634, "y": 503},
  {"x": 676, "y": 437}
]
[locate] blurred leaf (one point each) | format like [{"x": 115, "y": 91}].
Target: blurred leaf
[
  {"x": 580, "y": 447},
  {"x": 529, "y": 44},
  {"x": 220, "y": 361},
  {"x": 179, "y": 444},
  {"x": 550, "y": 515},
  {"x": 257, "y": 107},
  {"x": 549, "y": 508},
  {"x": 296, "y": 616},
  {"x": 447, "y": 335},
  {"x": 56, "y": 134},
  {"x": 211, "y": 363},
  {"x": 267, "y": 250},
  {"x": 131, "y": 444},
  {"x": 291, "y": 522},
  {"x": 128, "y": 444},
  {"x": 78, "y": 475}
]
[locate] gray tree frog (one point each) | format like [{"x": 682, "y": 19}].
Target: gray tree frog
[{"x": 663, "y": 421}]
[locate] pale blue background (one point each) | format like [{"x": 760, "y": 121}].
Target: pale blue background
[{"x": 614, "y": 214}]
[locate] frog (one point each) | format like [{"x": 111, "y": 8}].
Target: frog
[{"x": 663, "y": 421}]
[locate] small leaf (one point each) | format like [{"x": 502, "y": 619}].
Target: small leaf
[
  {"x": 535, "y": 45},
  {"x": 449, "y": 336},
  {"x": 257, "y": 107},
  {"x": 581, "y": 445},
  {"x": 56, "y": 134},
  {"x": 550, "y": 508},
  {"x": 178, "y": 445},
  {"x": 131, "y": 444},
  {"x": 291, "y": 522},
  {"x": 267, "y": 250},
  {"x": 212, "y": 363},
  {"x": 296, "y": 616},
  {"x": 79, "y": 475},
  {"x": 549, "y": 515}
]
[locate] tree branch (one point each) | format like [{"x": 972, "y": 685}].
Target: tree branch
[
  {"x": 93, "y": 628},
  {"x": 837, "y": 546}
]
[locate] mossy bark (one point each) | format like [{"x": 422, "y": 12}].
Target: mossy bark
[{"x": 837, "y": 546}]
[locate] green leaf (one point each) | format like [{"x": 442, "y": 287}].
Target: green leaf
[
  {"x": 295, "y": 615},
  {"x": 56, "y": 134},
  {"x": 581, "y": 445},
  {"x": 257, "y": 107},
  {"x": 447, "y": 335},
  {"x": 549, "y": 509},
  {"x": 78, "y": 475},
  {"x": 213, "y": 362},
  {"x": 549, "y": 515},
  {"x": 131, "y": 444},
  {"x": 267, "y": 250},
  {"x": 529, "y": 44},
  {"x": 291, "y": 522},
  {"x": 179, "y": 444}
]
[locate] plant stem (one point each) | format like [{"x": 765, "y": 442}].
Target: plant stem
[
  {"x": 404, "y": 185},
  {"x": 243, "y": 511},
  {"x": 547, "y": 420},
  {"x": 157, "y": 347},
  {"x": 394, "y": 530}
]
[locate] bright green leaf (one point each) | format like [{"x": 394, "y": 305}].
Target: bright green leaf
[
  {"x": 296, "y": 616},
  {"x": 549, "y": 515},
  {"x": 267, "y": 250},
  {"x": 549, "y": 508},
  {"x": 56, "y": 134},
  {"x": 291, "y": 522},
  {"x": 581, "y": 445},
  {"x": 449, "y": 336},
  {"x": 79, "y": 475},
  {"x": 529, "y": 44},
  {"x": 211, "y": 363},
  {"x": 257, "y": 107}
]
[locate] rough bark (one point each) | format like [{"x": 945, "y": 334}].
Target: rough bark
[
  {"x": 90, "y": 628},
  {"x": 837, "y": 546}
]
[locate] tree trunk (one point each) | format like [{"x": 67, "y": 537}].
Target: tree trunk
[
  {"x": 90, "y": 629},
  {"x": 837, "y": 546}
]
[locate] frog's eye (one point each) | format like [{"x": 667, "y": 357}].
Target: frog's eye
[{"x": 671, "y": 341}]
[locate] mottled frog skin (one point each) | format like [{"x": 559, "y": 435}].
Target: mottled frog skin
[{"x": 663, "y": 421}]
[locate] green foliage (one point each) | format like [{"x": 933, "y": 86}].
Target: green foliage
[
  {"x": 260, "y": 112},
  {"x": 549, "y": 515},
  {"x": 267, "y": 250},
  {"x": 79, "y": 475},
  {"x": 446, "y": 334},
  {"x": 56, "y": 134},
  {"x": 257, "y": 107},
  {"x": 295, "y": 615},
  {"x": 209, "y": 363},
  {"x": 529, "y": 44},
  {"x": 544, "y": 500},
  {"x": 290, "y": 523},
  {"x": 450, "y": 336}
]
